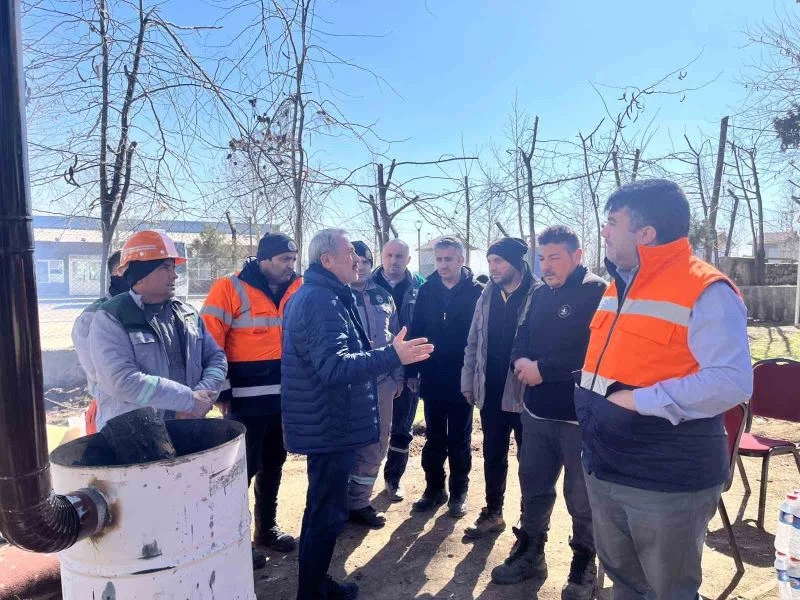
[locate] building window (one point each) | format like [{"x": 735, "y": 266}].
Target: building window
[{"x": 50, "y": 271}]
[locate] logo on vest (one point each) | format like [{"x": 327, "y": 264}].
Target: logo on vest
[
  {"x": 379, "y": 299},
  {"x": 565, "y": 311}
]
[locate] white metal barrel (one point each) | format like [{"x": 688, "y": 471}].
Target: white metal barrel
[{"x": 181, "y": 527}]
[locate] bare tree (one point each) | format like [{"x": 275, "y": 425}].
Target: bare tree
[
  {"x": 115, "y": 102},
  {"x": 748, "y": 185},
  {"x": 391, "y": 197}
]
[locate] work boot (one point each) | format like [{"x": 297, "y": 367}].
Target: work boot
[
  {"x": 582, "y": 577},
  {"x": 276, "y": 539},
  {"x": 488, "y": 522},
  {"x": 339, "y": 591},
  {"x": 368, "y": 516},
  {"x": 525, "y": 562},
  {"x": 259, "y": 559},
  {"x": 458, "y": 505},
  {"x": 395, "y": 491},
  {"x": 430, "y": 500}
]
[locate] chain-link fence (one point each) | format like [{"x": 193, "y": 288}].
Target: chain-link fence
[{"x": 68, "y": 255}]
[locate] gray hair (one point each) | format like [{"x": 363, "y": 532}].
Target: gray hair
[
  {"x": 449, "y": 242},
  {"x": 324, "y": 242}
]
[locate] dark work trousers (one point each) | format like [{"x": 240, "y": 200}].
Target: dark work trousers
[
  {"x": 497, "y": 426},
  {"x": 651, "y": 543},
  {"x": 265, "y": 458},
  {"x": 547, "y": 446},
  {"x": 448, "y": 436},
  {"x": 324, "y": 518},
  {"x": 404, "y": 409}
]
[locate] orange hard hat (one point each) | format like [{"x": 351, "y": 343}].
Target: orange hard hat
[{"x": 149, "y": 245}]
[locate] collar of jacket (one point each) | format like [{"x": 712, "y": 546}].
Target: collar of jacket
[
  {"x": 369, "y": 285},
  {"x": 652, "y": 259},
  {"x": 409, "y": 277},
  {"x": 179, "y": 307},
  {"x": 575, "y": 278},
  {"x": 316, "y": 274},
  {"x": 129, "y": 310},
  {"x": 251, "y": 274}
]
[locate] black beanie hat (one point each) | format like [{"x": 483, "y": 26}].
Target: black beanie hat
[
  {"x": 363, "y": 251},
  {"x": 273, "y": 244},
  {"x": 512, "y": 250},
  {"x": 139, "y": 269}
]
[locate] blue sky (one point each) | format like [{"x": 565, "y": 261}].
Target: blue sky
[{"x": 456, "y": 66}]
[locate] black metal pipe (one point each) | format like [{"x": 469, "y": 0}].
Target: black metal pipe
[{"x": 32, "y": 516}]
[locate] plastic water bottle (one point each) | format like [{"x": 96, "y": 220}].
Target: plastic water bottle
[
  {"x": 783, "y": 534},
  {"x": 794, "y": 541},
  {"x": 782, "y": 574},
  {"x": 794, "y": 577}
]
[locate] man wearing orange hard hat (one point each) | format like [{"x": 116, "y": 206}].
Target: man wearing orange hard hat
[{"x": 150, "y": 349}]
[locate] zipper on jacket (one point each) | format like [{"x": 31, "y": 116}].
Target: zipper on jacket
[
  {"x": 613, "y": 326},
  {"x": 161, "y": 342}
]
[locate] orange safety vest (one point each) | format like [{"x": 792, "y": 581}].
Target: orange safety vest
[
  {"x": 247, "y": 325},
  {"x": 642, "y": 338}
]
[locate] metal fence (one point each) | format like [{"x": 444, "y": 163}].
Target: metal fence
[{"x": 68, "y": 256}]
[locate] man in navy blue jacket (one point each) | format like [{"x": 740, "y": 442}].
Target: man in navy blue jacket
[{"x": 329, "y": 399}]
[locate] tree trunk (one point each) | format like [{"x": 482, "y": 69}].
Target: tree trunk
[
  {"x": 760, "y": 255},
  {"x": 595, "y": 202},
  {"x": 376, "y": 223},
  {"x": 747, "y": 201},
  {"x": 106, "y": 252},
  {"x": 233, "y": 241},
  {"x": 469, "y": 218},
  {"x": 712, "y": 252},
  {"x": 635, "y": 170},
  {"x": 383, "y": 209},
  {"x": 729, "y": 241},
  {"x": 527, "y": 159},
  {"x": 518, "y": 196}
]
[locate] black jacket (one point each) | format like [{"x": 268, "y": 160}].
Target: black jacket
[
  {"x": 555, "y": 332},
  {"x": 329, "y": 396},
  {"x": 443, "y": 316}
]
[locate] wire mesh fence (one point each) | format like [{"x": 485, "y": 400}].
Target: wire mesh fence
[{"x": 68, "y": 259}]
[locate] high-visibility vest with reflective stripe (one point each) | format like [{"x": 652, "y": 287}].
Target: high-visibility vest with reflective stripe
[
  {"x": 246, "y": 324},
  {"x": 643, "y": 337}
]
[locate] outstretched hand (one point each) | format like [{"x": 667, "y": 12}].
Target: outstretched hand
[{"x": 411, "y": 351}]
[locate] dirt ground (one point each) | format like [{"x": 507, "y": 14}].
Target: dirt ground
[{"x": 426, "y": 556}]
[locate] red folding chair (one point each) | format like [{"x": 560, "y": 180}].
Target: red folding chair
[
  {"x": 736, "y": 419},
  {"x": 776, "y": 395}
]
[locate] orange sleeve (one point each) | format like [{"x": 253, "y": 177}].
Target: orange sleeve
[{"x": 219, "y": 310}]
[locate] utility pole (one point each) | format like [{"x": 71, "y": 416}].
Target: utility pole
[
  {"x": 233, "y": 240},
  {"x": 419, "y": 246}
]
